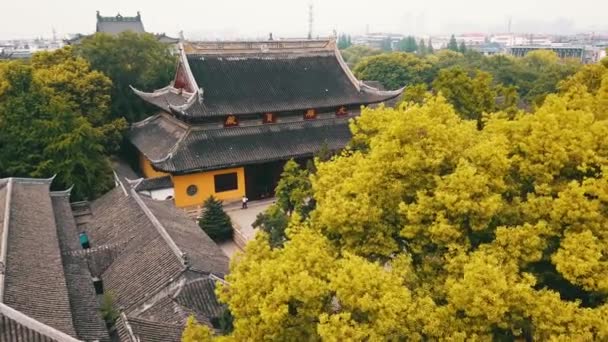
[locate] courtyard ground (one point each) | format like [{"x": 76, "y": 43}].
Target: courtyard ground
[{"x": 242, "y": 220}]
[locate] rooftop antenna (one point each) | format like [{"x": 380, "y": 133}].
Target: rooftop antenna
[
  {"x": 54, "y": 35},
  {"x": 310, "y": 20},
  {"x": 509, "y": 25}
]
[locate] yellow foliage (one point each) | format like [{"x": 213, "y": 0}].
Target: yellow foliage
[
  {"x": 428, "y": 228},
  {"x": 195, "y": 332}
]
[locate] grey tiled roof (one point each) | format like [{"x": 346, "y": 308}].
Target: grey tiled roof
[
  {"x": 239, "y": 84},
  {"x": 84, "y": 306},
  {"x": 155, "y": 235},
  {"x": 119, "y": 24},
  {"x": 222, "y": 148},
  {"x": 202, "y": 253},
  {"x": 155, "y": 183},
  {"x": 156, "y": 136},
  {"x": 35, "y": 282},
  {"x": 139, "y": 330}
]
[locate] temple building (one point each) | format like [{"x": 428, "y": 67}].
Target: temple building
[{"x": 236, "y": 111}]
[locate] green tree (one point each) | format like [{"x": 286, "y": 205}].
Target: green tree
[
  {"x": 395, "y": 70},
  {"x": 293, "y": 192},
  {"x": 471, "y": 96},
  {"x": 429, "y": 47},
  {"x": 407, "y": 44},
  {"x": 343, "y": 42},
  {"x": 40, "y": 109},
  {"x": 129, "y": 59},
  {"x": 108, "y": 310},
  {"x": 387, "y": 44},
  {"x": 215, "y": 222},
  {"x": 462, "y": 48},
  {"x": 422, "y": 50},
  {"x": 274, "y": 222},
  {"x": 453, "y": 44},
  {"x": 355, "y": 53}
]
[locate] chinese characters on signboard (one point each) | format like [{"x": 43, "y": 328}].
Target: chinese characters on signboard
[
  {"x": 310, "y": 114},
  {"x": 231, "y": 120},
  {"x": 342, "y": 111},
  {"x": 269, "y": 118}
]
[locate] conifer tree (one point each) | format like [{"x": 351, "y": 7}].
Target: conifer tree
[
  {"x": 462, "y": 48},
  {"x": 453, "y": 44},
  {"x": 215, "y": 222},
  {"x": 422, "y": 47},
  {"x": 429, "y": 47}
]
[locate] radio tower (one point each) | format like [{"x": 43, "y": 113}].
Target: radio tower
[{"x": 310, "y": 19}]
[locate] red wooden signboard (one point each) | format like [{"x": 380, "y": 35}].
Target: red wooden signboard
[
  {"x": 269, "y": 118},
  {"x": 310, "y": 114},
  {"x": 342, "y": 111},
  {"x": 230, "y": 121}
]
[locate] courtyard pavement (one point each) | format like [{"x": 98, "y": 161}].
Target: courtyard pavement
[{"x": 242, "y": 220}]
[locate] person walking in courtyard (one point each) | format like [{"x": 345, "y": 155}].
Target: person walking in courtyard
[{"x": 245, "y": 200}]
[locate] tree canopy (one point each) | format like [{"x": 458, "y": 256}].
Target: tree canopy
[
  {"x": 54, "y": 121},
  {"x": 395, "y": 70},
  {"x": 129, "y": 59},
  {"x": 432, "y": 228}
]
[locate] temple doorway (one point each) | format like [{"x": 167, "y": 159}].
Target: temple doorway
[{"x": 262, "y": 179}]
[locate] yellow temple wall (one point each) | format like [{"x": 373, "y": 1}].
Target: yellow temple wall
[
  {"x": 146, "y": 168},
  {"x": 205, "y": 183}
]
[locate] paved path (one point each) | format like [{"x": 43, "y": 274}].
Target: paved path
[{"x": 243, "y": 220}]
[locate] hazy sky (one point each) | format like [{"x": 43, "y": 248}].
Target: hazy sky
[{"x": 248, "y": 18}]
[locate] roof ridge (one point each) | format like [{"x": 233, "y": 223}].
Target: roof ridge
[
  {"x": 4, "y": 241},
  {"x": 181, "y": 256},
  {"x": 35, "y": 325}
]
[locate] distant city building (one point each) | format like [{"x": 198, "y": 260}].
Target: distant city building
[
  {"x": 377, "y": 40},
  {"x": 563, "y": 51},
  {"x": 119, "y": 24},
  {"x": 472, "y": 39}
]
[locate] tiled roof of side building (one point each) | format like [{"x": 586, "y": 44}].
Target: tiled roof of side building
[
  {"x": 34, "y": 281},
  {"x": 85, "y": 308},
  {"x": 160, "y": 245},
  {"x": 157, "y": 135},
  {"x": 157, "y": 183},
  {"x": 222, "y": 148},
  {"x": 132, "y": 329}
]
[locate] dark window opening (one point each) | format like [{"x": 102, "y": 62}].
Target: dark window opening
[
  {"x": 226, "y": 182},
  {"x": 98, "y": 284},
  {"x": 191, "y": 190}
]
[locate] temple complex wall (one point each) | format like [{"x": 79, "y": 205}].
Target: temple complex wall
[{"x": 205, "y": 185}]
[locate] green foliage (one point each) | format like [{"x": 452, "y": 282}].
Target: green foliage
[
  {"x": 129, "y": 59},
  {"x": 53, "y": 121},
  {"x": 462, "y": 48},
  {"x": 395, "y": 70},
  {"x": 422, "y": 50},
  {"x": 344, "y": 42},
  {"x": 109, "y": 313},
  {"x": 356, "y": 53},
  {"x": 273, "y": 221},
  {"x": 215, "y": 222},
  {"x": 195, "y": 332},
  {"x": 453, "y": 44},
  {"x": 429, "y": 47},
  {"x": 294, "y": 192},
  {"x": 471, "y": 96},
  {"x": 407, "y": 44},
  {"x": 387, "y": 45}
]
